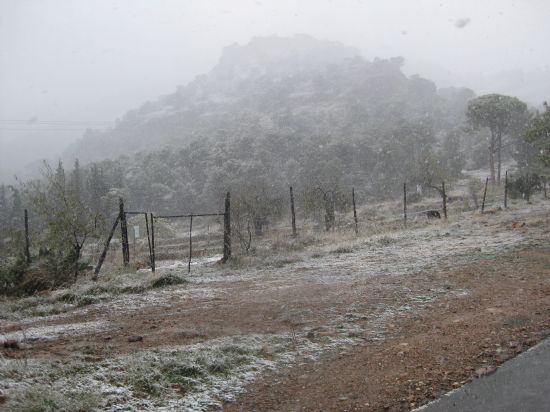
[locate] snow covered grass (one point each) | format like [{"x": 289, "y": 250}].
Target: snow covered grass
[
  {"x": 204, "y": 375},
  {"x": 193, "y": 377},
  {"x": 43, "y": 398},
  {"x": 381, "y": 248},
  {"x": 53, "y": 331},
  {"x": 86, "y": 292}
]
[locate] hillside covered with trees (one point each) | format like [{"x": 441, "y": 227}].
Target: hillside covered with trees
[
  {"x": 282, "y": 111},
  {"x": 275, "y": 113}
]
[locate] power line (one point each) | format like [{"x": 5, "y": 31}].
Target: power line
[
  {"x": 13, "y": 129},
  {"x": 54, "y": 122}
]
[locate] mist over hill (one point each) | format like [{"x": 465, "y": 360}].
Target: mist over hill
[
  {"x": 278, "y": 112},
  {"x": 276, "y": 85}
]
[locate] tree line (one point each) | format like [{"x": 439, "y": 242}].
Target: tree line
[{"x": 70, "y": 207}]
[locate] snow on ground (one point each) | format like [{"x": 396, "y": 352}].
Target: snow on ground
[
  {"x": 49, "y": 332},
  {"x": 438, "y": 245},
  {"x": 209, "y": 372}
]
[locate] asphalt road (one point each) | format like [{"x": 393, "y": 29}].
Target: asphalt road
[{"x": 519, "y": 385}]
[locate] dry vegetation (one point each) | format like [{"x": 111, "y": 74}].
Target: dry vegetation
[{"x": 325, "y": 301}]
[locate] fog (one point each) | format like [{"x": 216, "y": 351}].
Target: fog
[{"x": 68, "y": 65}]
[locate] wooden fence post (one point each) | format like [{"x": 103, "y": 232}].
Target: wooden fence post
[
  {"x": 153, "y": 259},
  {"x": 124, "y": 233},
  {"x": 506, "y": 190},
  {"x": 444, "y": 195},
  {"x": 27, "y": 242},
  {"x": 190, "y": 242},
  {"x": 105, "y": 248},
  {"x": 149, "y": 240},
  {"x": 294, "y": 234},
  {"x": 227, "y": 229},
  {"x": 354, "y": 210},
  {"x": 484, "y": 195},
  {"x": 405, "y": 203}
]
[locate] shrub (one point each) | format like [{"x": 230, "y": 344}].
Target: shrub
[
  {"x": 524, "y": 186},
  {"x": 12, "y": 272},
  {"x": 167, "y": 280},
  {"x": 44, "y": 399}
]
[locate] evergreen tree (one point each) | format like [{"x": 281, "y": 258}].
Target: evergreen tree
[
  {"x": 4, "y": 214},
  {"x": 96, "y": 188},
  {"x": 76, "y": 181},
  {"x": 16, "y": 214},
  {"x": 60, "y": 174}
]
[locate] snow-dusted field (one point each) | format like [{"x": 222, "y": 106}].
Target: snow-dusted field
[{"x": 201, "y": 375}]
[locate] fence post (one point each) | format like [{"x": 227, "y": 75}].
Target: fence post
[
  {"x": 124, "y": 233},
  {"x": 294, "y": 234},
  {"x": 484, "y": 195},
  {"x": 354, "y": 210},
  {"x": 405, "y": 203},
  {"x": 444, "y": 195},
  {"x": 105, "y": 249},
  {"x": 190, "y": 242},
  {"x": 506, "y": 190},
  {"x": 148, "y": 240},
  {"x": 153, "y": 259},
  {"x": 227, "y": 229},
  {"x": 27, "y": 242}
]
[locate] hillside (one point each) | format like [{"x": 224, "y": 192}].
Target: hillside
[{"x": 291, "y": 86}]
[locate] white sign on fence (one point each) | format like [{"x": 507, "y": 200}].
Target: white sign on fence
[{"x": 136, "y": 232}]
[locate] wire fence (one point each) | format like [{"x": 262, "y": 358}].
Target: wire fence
[{"x": 144, "y": 238}]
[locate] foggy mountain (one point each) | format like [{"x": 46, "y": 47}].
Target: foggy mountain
[
  {"x": 273, "y": 85},
  {"x": 355, "y": 218},
  {"x": 275, "y": 112}
]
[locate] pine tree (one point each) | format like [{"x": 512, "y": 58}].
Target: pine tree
[
  {"x": 60, "y": 174},
  {"x": 16, "y": 213},
  {"x": 3, "y": 208},
  {"x": 76, "y": 181}
]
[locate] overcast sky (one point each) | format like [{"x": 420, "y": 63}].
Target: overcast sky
[{"x": 92, "y": 60}]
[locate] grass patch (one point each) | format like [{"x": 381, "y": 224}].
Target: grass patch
[
  {"x": 281, "y": 262},
  {"x": 45, "y": 399},
  {"x": 342, "y": 249},
  {"x": 167, "y": 279},
  {"x": 386, "y": 241}
]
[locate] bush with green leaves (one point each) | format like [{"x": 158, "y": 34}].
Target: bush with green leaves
[
  {"x": 12, "y": 272},
  {"x": 523, "y": 186},
  {"x": 67, "y": 221}
]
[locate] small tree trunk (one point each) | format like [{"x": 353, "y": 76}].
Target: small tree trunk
[
  {"x": 405, "y": 203},
  {"x": 105, "y": 249},
  {"x": 484, "y": 196},
  {"x": 354, "y": 210},
  {"x": 499, "y": 161},
  {"x": 149, "y": 240},
  {"x": 153, "y": 259},
  {"x": 227, "y": 229},
  {"x": 27, "y": 242},
  {"x": 492, "y": 156},
  {"x": 77, "y": 248},
  {"x": 444, "y": 195},
  {"x": 329, "y": 211},
  {"x": 292, "y": 211},
  {"x": 124, "y": 234},
  {"x": 506, "y": 189},
  {"x": 190, "y": 242}
]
